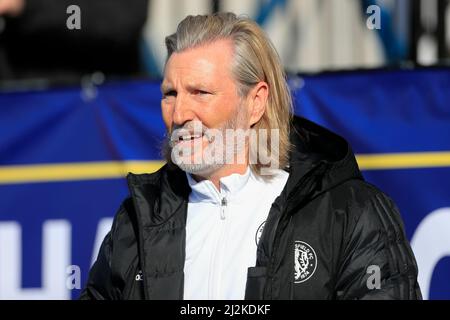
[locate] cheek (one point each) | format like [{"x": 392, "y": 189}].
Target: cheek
[
  {"x": 219, "y": 112},
  {"x": 166, "y": 111}
]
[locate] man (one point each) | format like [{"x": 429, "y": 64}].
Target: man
[{"x": 226, "y": 218}]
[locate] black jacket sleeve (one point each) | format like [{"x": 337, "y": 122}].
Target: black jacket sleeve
[
  {"x": 378, "y": 261},
  {"x": 100, "y": 285}
]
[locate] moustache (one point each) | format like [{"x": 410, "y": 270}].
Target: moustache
[{"x": 189, "y": 131}]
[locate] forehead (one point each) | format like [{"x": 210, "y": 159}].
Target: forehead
[{"x": 209, "y": 62}]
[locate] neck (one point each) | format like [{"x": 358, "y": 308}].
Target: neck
[{"x": 224, "y": 171}]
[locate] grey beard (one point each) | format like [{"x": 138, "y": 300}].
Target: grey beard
[
  {"x": 207, "y": 166},
  {"x": 203, "y": 168}
]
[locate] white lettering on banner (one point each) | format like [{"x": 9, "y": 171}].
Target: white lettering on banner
[
  {"x": 102, "y": 230},
  {"x": 431, "y": 243},
  {"x": 56, "y": 249}
]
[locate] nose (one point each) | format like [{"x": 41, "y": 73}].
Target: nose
[{"x": 182, "y": 111}]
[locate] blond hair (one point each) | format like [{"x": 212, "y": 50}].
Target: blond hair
[{"x": 255, "y": 60}]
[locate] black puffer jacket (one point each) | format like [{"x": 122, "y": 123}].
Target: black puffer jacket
[{"x": 329, "y": 235}]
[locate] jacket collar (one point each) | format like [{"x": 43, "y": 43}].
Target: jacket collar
[
  {"x": 230, "y": 186},
  {"x": 319, "y": 160}
]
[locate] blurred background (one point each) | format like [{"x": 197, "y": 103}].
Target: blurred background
[
  {"x": 122, "y": 39},
  {"x": 79, "y": 108}
]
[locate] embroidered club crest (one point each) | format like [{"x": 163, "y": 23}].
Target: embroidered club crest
[{"x": 305, "y": 261}]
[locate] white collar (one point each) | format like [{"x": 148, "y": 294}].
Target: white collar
[{"x": 230, "y": 187}]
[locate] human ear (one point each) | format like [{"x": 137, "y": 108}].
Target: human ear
[{"x": 257, "y": 96}]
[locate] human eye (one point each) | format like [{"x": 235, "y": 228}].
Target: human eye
[
  {"x": 199, "y": 92},
  {"x": 169, "y": 93}
]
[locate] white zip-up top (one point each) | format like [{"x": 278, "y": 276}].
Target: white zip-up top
[{"x": 222, "y": 231}]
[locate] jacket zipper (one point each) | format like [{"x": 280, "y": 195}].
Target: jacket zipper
[
  {"x": 218, "y": 256},
  {"x": 223, "y": 204}
]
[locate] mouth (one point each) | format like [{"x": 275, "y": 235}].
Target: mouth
[
  {"x": 190, "y": 137},
  {"x": 187, "y": 138}
]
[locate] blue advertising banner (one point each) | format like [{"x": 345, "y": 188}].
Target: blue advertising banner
[{"x": 64, "y": 155}]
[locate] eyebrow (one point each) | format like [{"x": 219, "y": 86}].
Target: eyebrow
[{"x": 165, "y": 87}]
